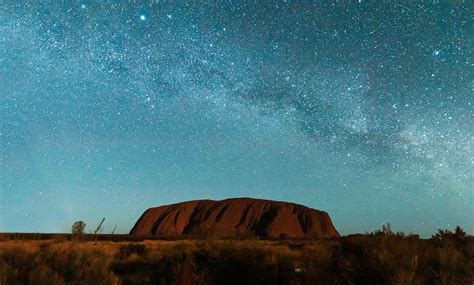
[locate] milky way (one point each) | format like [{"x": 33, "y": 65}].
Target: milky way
[{"x": 363, "y": 110}]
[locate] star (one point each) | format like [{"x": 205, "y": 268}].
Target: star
[{"x": 238, "y": 100}]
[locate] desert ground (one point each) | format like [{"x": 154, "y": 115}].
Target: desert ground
[{"x": 373, "y": 258}]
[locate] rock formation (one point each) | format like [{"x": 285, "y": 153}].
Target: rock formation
[{"x": 240, "y": 217}]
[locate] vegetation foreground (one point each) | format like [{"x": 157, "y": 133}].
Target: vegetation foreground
[{"x": 380, "y": 258}]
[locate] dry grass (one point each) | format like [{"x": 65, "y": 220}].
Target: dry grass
[{"x": 361, "y": 259}]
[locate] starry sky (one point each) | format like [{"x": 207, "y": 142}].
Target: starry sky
[{"x": 361, "y": 109}]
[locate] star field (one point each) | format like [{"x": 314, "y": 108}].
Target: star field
[{"x": 363, "y": 110}]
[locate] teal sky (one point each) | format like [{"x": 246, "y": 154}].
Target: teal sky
[{"x": 363, "y": 110}]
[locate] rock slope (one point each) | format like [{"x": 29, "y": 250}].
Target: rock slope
[{"x": 240, "y": 217}]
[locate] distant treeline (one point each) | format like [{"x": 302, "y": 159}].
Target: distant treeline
[
  {"x": 69, "y": 237},
  {"x": 117, "y": 237}
]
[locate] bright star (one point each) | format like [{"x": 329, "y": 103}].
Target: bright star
[{"x": 142, "y": 17}]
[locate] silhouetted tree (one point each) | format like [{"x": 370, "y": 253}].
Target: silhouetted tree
[
  {"x": 78, "y": 228},
  {"x": 386, "y": 230},
  {"x": 459, "y": 234}
]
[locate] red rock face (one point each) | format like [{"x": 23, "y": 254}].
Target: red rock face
[{"x": 239, "y": 217}]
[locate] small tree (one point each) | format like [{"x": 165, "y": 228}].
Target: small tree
[
  {"x": 459, "y": 234},
  {"x": 78, "y": 229},
  {"x": 387, "y": 229}
]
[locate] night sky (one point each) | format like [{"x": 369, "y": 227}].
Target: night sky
[{"x": 363, "y": 110}]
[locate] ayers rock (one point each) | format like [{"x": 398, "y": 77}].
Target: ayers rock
[{"x": 240, "y": 217}]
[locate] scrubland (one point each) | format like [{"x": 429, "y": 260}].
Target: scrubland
[{"x": 377, "y": 258}]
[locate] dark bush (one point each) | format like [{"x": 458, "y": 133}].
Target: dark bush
[{"x": 132, "y": 248}]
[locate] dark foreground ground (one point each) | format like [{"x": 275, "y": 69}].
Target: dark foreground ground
[{"x": 447, "y": 258}]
